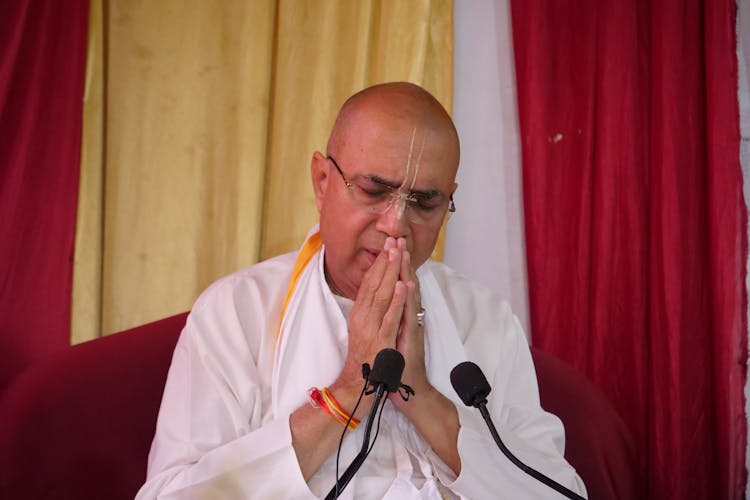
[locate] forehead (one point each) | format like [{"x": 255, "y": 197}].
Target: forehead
[{"x": 388, "y": 146}]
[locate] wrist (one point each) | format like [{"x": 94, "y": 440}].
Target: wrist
[
  {"x": 347, "y": 394},
  {"x": 422, "y": 399}
]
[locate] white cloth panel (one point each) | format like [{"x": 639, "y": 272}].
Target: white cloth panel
[{"x": 485, "y": 237}]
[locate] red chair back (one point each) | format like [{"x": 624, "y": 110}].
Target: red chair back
[{"x": 79, "y": 424}]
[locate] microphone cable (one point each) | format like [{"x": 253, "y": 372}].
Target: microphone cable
[
  {"x": 472, "y": 387},
  {"x": 366, "y": 375},
  {"x": 385, "y": 377}
]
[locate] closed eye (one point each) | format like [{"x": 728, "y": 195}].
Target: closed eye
[
  {"x": 428, "y": 201},
  {"x": 373, "y": 189}
]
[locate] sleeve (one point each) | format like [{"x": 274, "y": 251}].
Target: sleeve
[
  {"x": 214, "y": 437},
  {"x": 535, "y": 437}
]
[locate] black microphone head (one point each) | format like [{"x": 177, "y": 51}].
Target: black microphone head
[
  {"x": 387, "y": 369},
  {"x": 470, "y": 383}
]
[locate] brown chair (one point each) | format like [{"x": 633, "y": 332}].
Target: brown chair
[{"x": 78, "y": 425}]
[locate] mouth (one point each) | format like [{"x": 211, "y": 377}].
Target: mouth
[{"x": 372, "y": 255}]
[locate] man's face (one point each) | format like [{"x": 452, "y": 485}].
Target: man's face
[{"x": 378, "y": 147}]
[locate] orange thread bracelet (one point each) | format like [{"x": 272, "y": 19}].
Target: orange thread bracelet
[
  {"x": 324, "y": 400},
  {"x": 332, "y": 403},
  {"x": 317, "y": 400}
]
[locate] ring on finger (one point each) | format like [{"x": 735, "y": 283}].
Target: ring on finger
[{"x": 420, "y": 316}]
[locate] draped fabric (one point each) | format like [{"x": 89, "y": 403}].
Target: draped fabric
[
  {"x": 490, "y": 250},
  {"x": 42, "y": 61},
  {"x": 201, "y": 119},
  {"x": 635, "y": 222}
]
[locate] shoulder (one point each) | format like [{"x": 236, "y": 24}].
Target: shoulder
[
  {"x": 236, "y": 316},
  {"x": 464, "y": 295},
  {"x": 484, "y": 320},
  {"x": 259, "y": 281}
]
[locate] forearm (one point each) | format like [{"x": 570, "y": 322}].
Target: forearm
[
  {"x": 261, "y": 463},
  {"x": 316, "y": 434},
  {"x": 436, "y": 419},
  {"x": 530, "y": 435}
]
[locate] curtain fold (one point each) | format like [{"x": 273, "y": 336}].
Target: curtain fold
[
  {"x": 87, "y": 262},
  {"x": 211, "y": 112},
  {"x": 635, "y": 222},
  {"x": 42, "y": 62}
]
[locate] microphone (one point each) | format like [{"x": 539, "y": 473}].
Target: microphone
[
  {"x": 385, "y": 377},
  {"x": 387, "y": 370},
  {"x": 472, "y": 387}
]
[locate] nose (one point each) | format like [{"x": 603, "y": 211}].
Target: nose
[{"x": 394, "y": 222}]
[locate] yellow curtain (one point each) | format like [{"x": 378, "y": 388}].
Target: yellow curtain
[{"x": 200, "y": 119}]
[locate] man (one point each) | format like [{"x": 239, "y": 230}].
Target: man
[{"x": 236, "y": 420}]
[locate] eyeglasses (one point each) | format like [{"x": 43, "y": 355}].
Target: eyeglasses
[{"x": 376, "y": 196}]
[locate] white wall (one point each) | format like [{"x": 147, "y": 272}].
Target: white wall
[{"x": 485, "y": 238}]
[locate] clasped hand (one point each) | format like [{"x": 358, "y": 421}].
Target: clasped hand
[{"x": 385, "y": 315}]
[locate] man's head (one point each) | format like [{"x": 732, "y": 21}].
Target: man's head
[{"x": 391, "y": 142}]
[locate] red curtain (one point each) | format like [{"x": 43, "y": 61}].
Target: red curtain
[
  {"x": 42, "y": 68},
  {"x": 635, "y": 222}
]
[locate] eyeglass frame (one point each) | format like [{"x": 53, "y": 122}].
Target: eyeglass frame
[{"x": 407, "y": 197}]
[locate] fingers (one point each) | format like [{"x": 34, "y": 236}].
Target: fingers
[
  {"x": 393, "y": 316},
  {"x": 374, "y": 276},
  {"x": 411, "y": 308},
  {"x": 413, "y": 302},
  {"x": 388, "y": 298},
  {"x": 380, "y": 300},
  {"x": 383, "y": 294}
]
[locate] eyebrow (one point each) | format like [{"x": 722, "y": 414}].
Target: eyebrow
[{"x": 426, "y": 193}]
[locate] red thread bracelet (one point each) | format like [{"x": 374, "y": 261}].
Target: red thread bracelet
[{"x": 324, "y": 400}]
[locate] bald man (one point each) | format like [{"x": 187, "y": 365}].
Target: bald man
[{"x": 268, "y": 368}]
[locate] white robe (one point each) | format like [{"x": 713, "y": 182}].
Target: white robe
[{"x": 223, "y": 428}]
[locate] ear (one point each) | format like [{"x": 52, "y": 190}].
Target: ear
[{"x": 319, "y": 169}]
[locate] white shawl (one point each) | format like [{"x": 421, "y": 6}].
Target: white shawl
[{"x": 311, "y": 350}]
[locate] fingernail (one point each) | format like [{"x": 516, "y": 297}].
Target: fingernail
[{"x": 392, "y": 254}]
